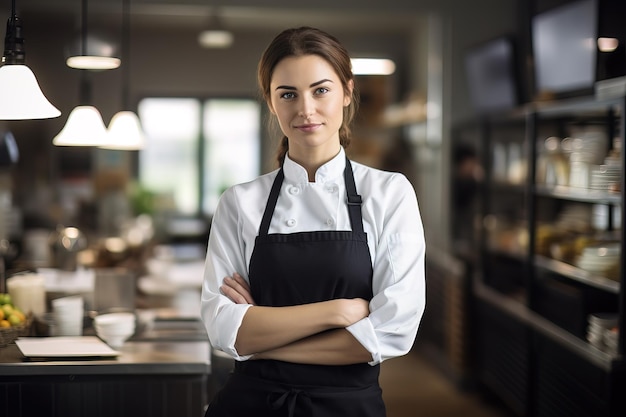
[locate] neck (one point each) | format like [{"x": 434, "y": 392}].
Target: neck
[{"x": 311, "y": 160}]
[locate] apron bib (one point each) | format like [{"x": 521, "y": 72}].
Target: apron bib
[{"x": 300, "y": 268}]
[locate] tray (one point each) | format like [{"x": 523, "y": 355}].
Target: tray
[{"x": 64, "y": 347}]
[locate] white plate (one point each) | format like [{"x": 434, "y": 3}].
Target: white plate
[{"x": 64, "y": 347}]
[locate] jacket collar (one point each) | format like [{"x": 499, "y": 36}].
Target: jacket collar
[{"x": 330, "y": 171}]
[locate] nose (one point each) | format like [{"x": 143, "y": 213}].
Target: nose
[{"x": 307, "y": 108}]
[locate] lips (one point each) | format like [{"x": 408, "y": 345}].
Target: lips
[{"x": 309, "y": 127}]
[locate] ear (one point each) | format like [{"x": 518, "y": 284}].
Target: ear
[{"x": 347, "y": 99}]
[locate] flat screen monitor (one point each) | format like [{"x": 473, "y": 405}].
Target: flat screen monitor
[
  {"x": 490, "y": 71},
  {"x": 564, "y": 43}
]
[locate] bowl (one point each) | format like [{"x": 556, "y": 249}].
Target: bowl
[{"x": 115, "y": 328}]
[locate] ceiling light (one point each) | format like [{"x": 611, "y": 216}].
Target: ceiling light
[
  {"x": 607, "y": 44},
  {"x": 97, "y": 55},
  {"x": 215, "y": 35},
  {"x": 125, "y": 132},
  {"x": 22, "y": 97},
  {"x": 84, "y": 127},
  {"x": 90, "y": 52},
  {"x": 372, "y": 66}
]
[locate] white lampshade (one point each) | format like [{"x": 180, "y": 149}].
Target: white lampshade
[
  {"x": 215, "y": 38},
  {"x": 125, "y": 132},
  {"x": 93, "y": 62},
  {"x": 84, "y": 127},
  {"x": 21, "y": 97}
]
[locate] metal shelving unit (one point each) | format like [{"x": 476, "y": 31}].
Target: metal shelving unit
[{"x": 526, "y": 305}]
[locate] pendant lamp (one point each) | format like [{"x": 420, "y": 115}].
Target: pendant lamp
[
  {"x": 21, "y": 97},
  {"x": 89, "y": 52},
  {"x": 125, "y": 132},
  {"x": 215, "y": 35},
  {"x": 84, "y": 126}
]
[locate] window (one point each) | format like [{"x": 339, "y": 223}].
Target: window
[{"x": 197, "y": 148}]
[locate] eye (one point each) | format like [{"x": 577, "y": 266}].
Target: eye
[
  {"x": 288, "y": 95},
  {"x": 321, "y": 90}
]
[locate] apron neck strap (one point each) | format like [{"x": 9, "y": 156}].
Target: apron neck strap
[
  {"x": 271, "y": 203},
  {"x": 354, "y": 200}
]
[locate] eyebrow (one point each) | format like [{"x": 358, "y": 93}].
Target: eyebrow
[{"x": 287, "y": 87}]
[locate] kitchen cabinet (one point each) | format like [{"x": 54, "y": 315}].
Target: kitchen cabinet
[{"x": 549, "y": 274}]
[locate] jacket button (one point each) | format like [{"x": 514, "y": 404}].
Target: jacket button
[
  {"x": 291, "y": 222},
  {"x": 330, "y": 222},
  {"x": 332, "y": 188},
  {"x": 294, "y": 190}
]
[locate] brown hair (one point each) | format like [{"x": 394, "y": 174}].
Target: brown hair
[{"x": 309, "y": 41}]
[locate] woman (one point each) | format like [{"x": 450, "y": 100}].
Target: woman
[{"x": 309, "y": 286}]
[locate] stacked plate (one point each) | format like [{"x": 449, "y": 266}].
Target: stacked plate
[
  {"x": 599, "y": 258},
  {"x": 599, "y": 324},
  {"x": 605, "y": 177},
  {"x": 610, "y": 340}
]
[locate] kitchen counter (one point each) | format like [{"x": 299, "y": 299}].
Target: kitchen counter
[
  {"x": 150, "y": 377},
  {"x": 140, "y": 357}
]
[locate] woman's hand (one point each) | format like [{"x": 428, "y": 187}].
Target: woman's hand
[{"x": 237, "y": 289}]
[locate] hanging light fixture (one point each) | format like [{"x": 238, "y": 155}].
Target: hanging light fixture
[
  {"x": 125, "y": 132},
  {"x": 21, "y": 97},
  {"x": 84, "y": 126},
  {"x": 89, "y": 52},
  {"x": 215, "y": 35}
]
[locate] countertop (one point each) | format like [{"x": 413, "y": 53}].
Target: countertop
[{"x": 167, "y": 347}]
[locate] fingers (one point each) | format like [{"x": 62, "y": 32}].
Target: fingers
[
  {"x": 239, "y": 279},
  {"x": 237, "y": 289},
  {"x": 233, "y": 294}
]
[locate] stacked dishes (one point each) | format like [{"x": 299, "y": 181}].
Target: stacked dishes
[
  {"x": 599, "y": 258},
  {"x": 610, "y": 340},
  {"x": 115, "y": 328},
  {"x": 605, "y": 177},
  {"x": 599, "y": 325}
]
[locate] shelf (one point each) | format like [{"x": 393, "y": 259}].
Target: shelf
[
  {"x": 579, "y": 195},
  {"x": 577, "y": 274},
  {"x": 580, "y": 107},
  {"x": 535, "y": 321}
]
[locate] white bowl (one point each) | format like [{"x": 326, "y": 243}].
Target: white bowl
[
  {"x": 113, "y": 319},
  {"x": 114, "y": 340},
  {"x": 115, "y": 328}
]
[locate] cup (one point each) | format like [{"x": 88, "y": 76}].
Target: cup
[{"x": 68, "y": 313}]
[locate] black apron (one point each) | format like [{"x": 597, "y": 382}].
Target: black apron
[{"x": 299, "y": 268}]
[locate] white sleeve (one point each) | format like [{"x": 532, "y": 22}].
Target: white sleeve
[
  {"x": 399, "y": 279},
  {"x": 225, "y": 255}
]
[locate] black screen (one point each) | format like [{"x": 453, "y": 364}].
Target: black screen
[
  {"x": 565, "y": 47},
  {"x": 491, "y": 76}
]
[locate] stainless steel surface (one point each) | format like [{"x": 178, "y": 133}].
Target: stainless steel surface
[
  {"x": 169, "y": 344},
  {"x": 146, "y": 358}
]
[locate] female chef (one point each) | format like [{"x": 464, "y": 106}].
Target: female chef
[{"x": 315, "y": 271}]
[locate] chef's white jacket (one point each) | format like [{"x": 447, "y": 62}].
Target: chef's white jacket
[{"x": 395, "y": 237}]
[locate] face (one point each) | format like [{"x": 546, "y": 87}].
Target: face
[{"x": 308, "y": 98}]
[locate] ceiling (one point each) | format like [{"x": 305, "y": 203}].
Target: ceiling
[{"x": 238, "y": 15}]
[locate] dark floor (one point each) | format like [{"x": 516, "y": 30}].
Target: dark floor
[{"x": 414, "y": 387}]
